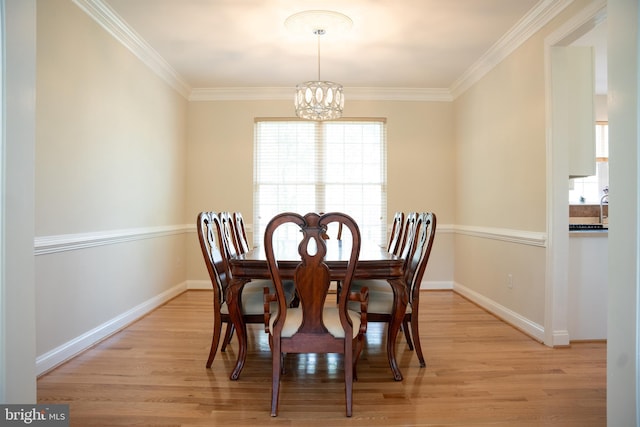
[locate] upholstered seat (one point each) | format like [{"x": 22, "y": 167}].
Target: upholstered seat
[
  {"x": 331, "y": 321},
  {"x": 253, "y": 297}
]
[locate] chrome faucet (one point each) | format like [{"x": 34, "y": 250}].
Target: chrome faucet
[{"x": 604, "y": 200}]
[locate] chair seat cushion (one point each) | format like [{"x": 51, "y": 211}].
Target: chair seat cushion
[
  {"x": 379, "y": 302},
  {"x": 374, "y": 285},
  {"x": 252, "y": 303},
  {"x": 253, "y": 296},
  {"x": 330, "y": 317}
]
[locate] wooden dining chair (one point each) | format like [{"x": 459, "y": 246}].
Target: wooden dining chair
[
  {"x": 395, "y": 238},
  {"x": 408, "y": 232},
  {"x": 240, "y": 234},
  {"x": 212, "y": 243},
  {"x": 398, "y": 227},
  {"x": 229, "y": 234},
  {"x": 314, "y": 327},
  {"x": 381, "y": 299}
]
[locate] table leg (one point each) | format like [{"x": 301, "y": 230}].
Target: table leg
[
  {"x": 400, "y": 300},
  {"x": 235, "y": 313}
]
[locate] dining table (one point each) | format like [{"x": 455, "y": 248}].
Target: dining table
[{"x": 374, "y": 262}]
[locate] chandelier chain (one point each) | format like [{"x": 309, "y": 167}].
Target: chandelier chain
[{"x": 319, "y": 32}]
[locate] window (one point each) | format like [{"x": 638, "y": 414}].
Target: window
[
  {"x": 588, "y": 190},
  {"x": 303, "y": 166}
]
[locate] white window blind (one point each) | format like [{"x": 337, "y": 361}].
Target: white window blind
[{"x": 302, "y": 166}]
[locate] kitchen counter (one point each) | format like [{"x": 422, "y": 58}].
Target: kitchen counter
[{"x": 589, "y": 232}]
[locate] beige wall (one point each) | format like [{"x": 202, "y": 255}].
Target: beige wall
[
  {"x": 420, "y": 157},
  {"x": 501, "y": 183},
  {"x": 111, "y": 134},
  {"x": 110, "y": 158},
  {"x": 500, "y": 145}
]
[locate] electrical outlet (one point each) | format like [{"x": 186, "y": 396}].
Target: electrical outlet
[{"x": 510, "y": 281}]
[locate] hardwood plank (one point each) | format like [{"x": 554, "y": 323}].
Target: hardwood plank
[{"x": 480, "y": 372}]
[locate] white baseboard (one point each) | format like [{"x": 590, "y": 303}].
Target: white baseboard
[
  {"x": 66, "y": 351},
  {"x": 560, "y": 339},
  {"x": 529, "y": 327}
]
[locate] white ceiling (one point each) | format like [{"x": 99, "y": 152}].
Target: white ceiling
[{"x": 399, "y": 44}]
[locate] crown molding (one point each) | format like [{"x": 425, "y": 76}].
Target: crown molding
[
  {"x": 242, "y": 94},
  {"x": 530, "y": 24},
  {"x": 581, "y": 23},
  {"x": 108, "y": 19},
  {"x": 539, "y": 16},
  {"x": 398, "y": 94},
  {"x": 351, "y": 93}
]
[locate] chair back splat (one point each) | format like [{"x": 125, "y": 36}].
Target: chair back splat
[
  {"x": 396, "y": 233},
  {"x": 314, "y": 327},
  {"x": 229, "y": 234},
  {"x": 408, "y": 232},
  {"x": 240, "y": 233}
]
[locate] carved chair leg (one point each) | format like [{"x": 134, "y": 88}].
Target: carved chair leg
[
  {"x": 416, "y": 340},
  {"x": 282, "y": 366},
  {"x": 227, "y": 336},
  {"x": 275, "y": 385},
  {"x": 407, "y": 334},
  {"x": 215, "y": 340},
  {"x": 359, "y": 344},
  {"x": 348, "y": 382}
]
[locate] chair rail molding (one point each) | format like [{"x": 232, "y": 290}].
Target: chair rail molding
[
  {"x": 523, "y": 237},
  {"x": 67, "y": 242}
]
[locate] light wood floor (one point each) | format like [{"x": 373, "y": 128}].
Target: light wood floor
[{"x": 480, "y": 372}]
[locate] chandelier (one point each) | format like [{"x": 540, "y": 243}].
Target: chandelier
[{"x": 318, "y": 99}]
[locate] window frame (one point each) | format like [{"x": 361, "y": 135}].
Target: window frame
[{"x": 371, "y": 228}]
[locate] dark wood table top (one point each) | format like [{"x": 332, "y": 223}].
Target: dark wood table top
[{"x": 374, "y": 261}]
